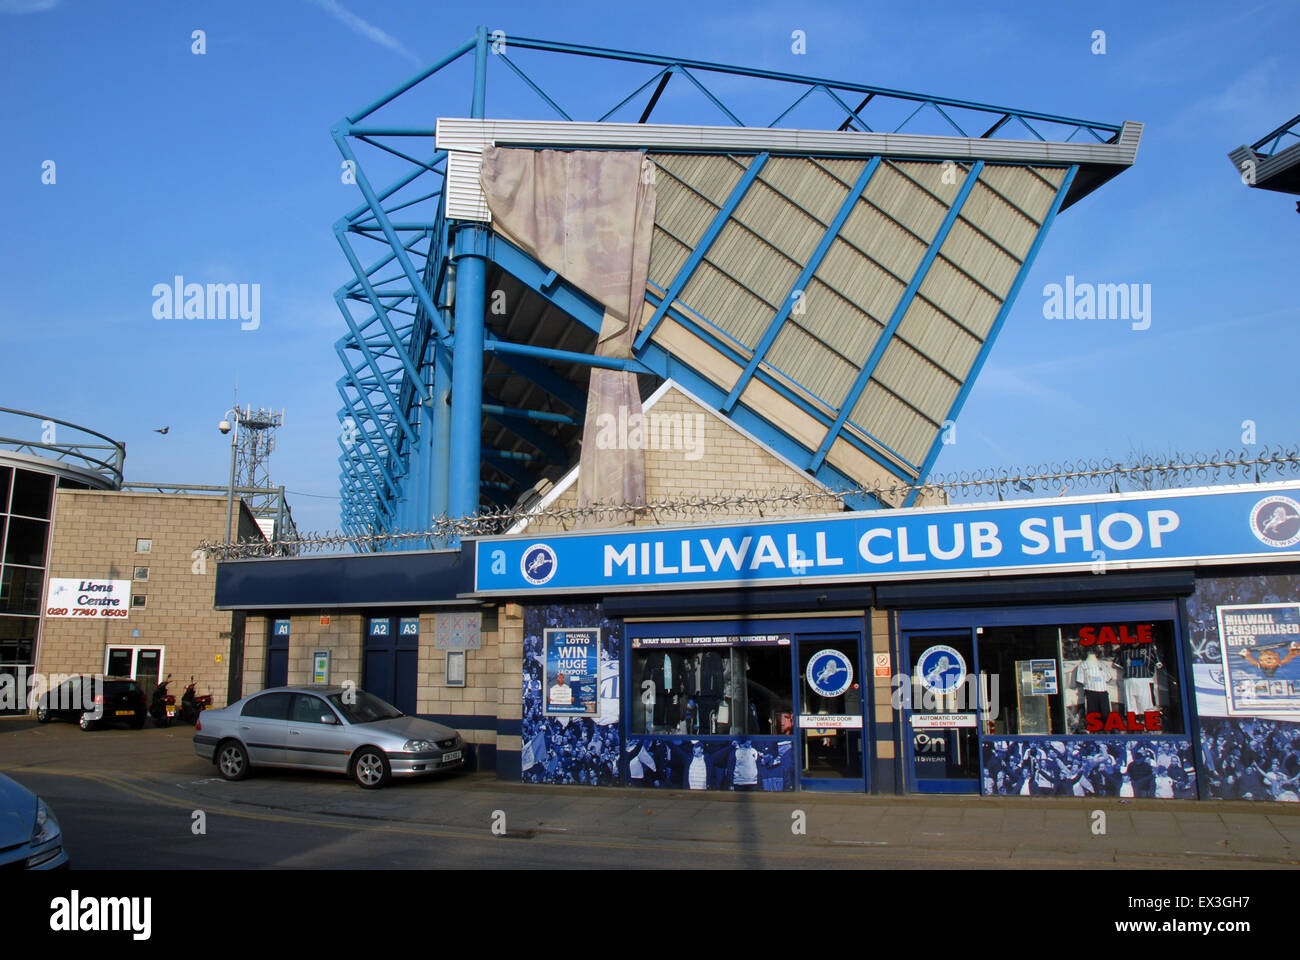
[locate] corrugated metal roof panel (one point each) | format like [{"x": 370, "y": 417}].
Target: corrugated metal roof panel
[
  {"x": 992, "y": 214},
  {"x": 784, "y": 226},
  {"x": 936, "y": 336},
  {"x": 666, "y": 258},
  {"x": 807, "y": 361},
  {"x": 807, "y": 184},
  {"x": 680, "y": 211},
  {"x": 916, "y": 380},
  {"x": 894, "y": 423},
  {"x": 845, "y": 171},
  {"x": 863, "y": 281},
  {"x": 727, "y": 304},
  {"x": 758, "y": 266},
  {"x": 943, "y": 178},
  {"x": 979, "y": 258},
  {"x": 883, "y": 240},
  {"x": 1025, "y": 187},
  {"x": 904, "y": 201},
  {"x": 712, "y": 175},
  {"x": 953, "y": 293},
  {"x": 838, "y": 322}
]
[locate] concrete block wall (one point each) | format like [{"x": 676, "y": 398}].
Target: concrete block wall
[
  {"x": 341, "y": 637},
  {"x": 510, "y": 647},
  {"x": 728, "y": 461},
  {"x": 255, "y": 628},
  {"x": 479, "y": 699},
  {"x": 94, "y": 536}
]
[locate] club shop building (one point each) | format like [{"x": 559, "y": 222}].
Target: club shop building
[{"x": 1143, "y": 645}]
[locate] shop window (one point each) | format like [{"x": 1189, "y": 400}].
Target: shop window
[
  {"x": 143, "y": 546},
  {"x": 684, "y": 689},
  {"x": 6, "y": 476},
  {"x": 141, "y": 573},
  {"x": 139, "y": 600},
  {"x": 1083, "y": 679}
]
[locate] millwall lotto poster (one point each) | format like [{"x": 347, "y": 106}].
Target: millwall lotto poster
[
  {"x": 572, "y": 679},
  {"x": 1260, "y": 643}
]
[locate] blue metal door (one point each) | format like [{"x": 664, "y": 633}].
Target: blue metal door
[
  {"x": 277, "y": 654},
  {"x": 391, "y": 659}
]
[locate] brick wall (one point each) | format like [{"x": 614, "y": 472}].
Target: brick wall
[
  {"x": 718, "y": 459},
  {"x": 94, "y": 536}
]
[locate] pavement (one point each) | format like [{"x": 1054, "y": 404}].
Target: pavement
[{"x": 639, "y": 827}]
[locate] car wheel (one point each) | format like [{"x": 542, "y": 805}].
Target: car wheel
[
  {"x": 42, "y": 713},
  {"x": 138, "y": 722},
  {"x": 232, "y": 760},
  {"x": 370, "y": 768},
  {"x": 87, "y": 721}
]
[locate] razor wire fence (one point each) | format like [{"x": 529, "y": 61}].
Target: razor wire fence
[{"x": 995, "y": 483}]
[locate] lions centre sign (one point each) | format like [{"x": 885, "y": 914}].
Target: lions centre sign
[
  {"x": 94, "y": 599},
  {"x": 1096, "y": 534}
]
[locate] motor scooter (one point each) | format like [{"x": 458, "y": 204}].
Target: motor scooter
[
  {"x": 192, "y": 704},
  {"x": 162, "y": 706}
]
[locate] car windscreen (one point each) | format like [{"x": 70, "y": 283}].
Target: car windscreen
[{"x": 364, "y": 708}]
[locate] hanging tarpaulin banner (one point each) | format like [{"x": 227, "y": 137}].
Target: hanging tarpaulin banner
[
  {"x": 572, "y": 658},
  {"x": 589, "y": 216}
]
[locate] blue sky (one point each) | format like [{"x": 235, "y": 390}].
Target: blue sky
[{"x": 220, "y": 167}]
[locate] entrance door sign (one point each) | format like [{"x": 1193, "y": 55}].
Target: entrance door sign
[{"x": 1084, "y": 534}]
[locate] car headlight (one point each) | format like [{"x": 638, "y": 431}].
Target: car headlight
[
  {"x": 417, "y": 746},
  {"x": 47, "y": 828}
]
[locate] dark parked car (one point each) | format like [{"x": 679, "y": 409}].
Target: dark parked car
[{"x": 94, "y": 701}]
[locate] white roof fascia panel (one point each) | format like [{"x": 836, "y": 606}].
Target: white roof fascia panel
[{"x": 469, "y": 137}]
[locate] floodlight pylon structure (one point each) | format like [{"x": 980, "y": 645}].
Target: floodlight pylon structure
[{"x": 830, "y": 279}]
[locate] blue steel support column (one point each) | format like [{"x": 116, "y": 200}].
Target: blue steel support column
[
  {"x": 440, "y": 480},
  {"x": 998, "y": 321},
  {"x": 467, "y": 353},
  {"x": 467, "y": 369}
]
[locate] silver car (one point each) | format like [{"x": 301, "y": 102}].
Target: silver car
[
  {"x": 29, "y": 835},
  {"x": 336, "y": 728}
]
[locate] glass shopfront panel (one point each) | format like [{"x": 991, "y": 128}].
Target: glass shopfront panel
[{"x": 1073, "y": 701}]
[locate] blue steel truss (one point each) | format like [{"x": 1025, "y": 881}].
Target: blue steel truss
[
  {"x": 1275, "y": 141},
  {"x": 415, "y": 404}
]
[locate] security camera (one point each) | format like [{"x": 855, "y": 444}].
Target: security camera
[{"x": 224, "y": 426}]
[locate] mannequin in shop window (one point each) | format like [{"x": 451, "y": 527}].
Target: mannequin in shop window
[
  {"x": 1095, "y": 675},
  {"x": 1139, "y": 670},
  {"x": 667, "y": 674}
]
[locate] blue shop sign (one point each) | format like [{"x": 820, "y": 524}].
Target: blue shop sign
[{"x": 1097, "y": 534}]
